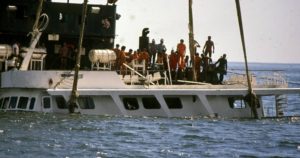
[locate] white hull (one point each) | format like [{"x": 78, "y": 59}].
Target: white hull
[{"x": 20, "y": 87}]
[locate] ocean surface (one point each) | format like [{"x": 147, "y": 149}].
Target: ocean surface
[{"x": 67, "y": 136}]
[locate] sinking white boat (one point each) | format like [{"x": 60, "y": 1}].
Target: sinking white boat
[
  {"x": 106, "y": 93},
  {"x": 102, "y": 91}
]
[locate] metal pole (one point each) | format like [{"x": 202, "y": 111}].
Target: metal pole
[
  {"x": 37, "y": 18},
  {"x": 191, "y": 39},
  {"x": 251, "y": 97},
  {"x": 74, "y": 94}
]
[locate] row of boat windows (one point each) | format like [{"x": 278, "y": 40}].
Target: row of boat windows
[
  {"x": 13, "y": 102},
  {"x": 87, "y": 102},
  {"x": 130, "y": 103}
]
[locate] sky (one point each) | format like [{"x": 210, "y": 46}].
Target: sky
[{"x": 271, "y": 27}]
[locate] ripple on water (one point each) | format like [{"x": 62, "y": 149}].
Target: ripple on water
[{"x": 52, "y": 135}]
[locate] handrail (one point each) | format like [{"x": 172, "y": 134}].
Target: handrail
[
  {"x": 61, "y": 80},
  {"x": 137, "y": 73}
]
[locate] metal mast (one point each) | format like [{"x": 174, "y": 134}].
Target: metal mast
[
  {"x": 250, "y": 97},
  {"x": 74, "y": 94},
  {"x": 191, "y": 39}
]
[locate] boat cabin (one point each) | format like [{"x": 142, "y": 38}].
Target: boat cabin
[{"x": 63, "y": 23}]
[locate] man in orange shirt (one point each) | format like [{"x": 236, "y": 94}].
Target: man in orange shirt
[
  {"x": 135, "y": 55},
  {"x": 198, "y": 61},
  {"x": 173, "y": 63},
  {"x": 144, "y": 56},
  {"x": 181, "y": 52}
]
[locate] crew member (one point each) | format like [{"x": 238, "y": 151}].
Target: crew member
[
  {"x": 64, "y": 54},
  {"x": 197, "y": 66},
  {"x": 152, "y": 52},
  {"x": 122, "y": 60},
  {"x": 173, "y": 63},
  {"x": 117, "y": 52},
  {"x": 222, "y": 67},
  {"x": 209, "y": 47},
  {"x": 181, "y": 52}
]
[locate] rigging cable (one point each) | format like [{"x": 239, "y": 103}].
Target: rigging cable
[
  {"x": 74, "y": 93},
  {"x": 251, "y": 97},
  {"x": 44, "y": 21}
]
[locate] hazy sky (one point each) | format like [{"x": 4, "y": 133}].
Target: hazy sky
[{"x": 272, "y": 27}]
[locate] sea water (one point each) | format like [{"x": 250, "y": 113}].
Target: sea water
[{"x": 67, "y": 136}]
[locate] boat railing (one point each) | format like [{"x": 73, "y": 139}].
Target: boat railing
[
  {"x": 240, "y": 78},
  {"x": 137, "y": 73},
  {"x": 152, "y": 78},
  {"x": 273, "y": 79},
  {"x": 65, "y": 79},
  {"x": 268, "y": 79}
]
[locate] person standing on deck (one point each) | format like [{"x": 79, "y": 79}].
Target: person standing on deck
[
  {"x": 122, "y": 60},
  {"x": 181, "y": 48},
  {"x": 222, "y": 67},
  {"x": 152, "y": 52},
  {"x": 129, "y": 56},
  {"x": 209, "y": 47},
  {"x": 16, "y": 54},
  {"x": 205, "y": 64},
  {"x": 135, "y": 55},
  {"x": 198, "y": 61},
  {"x": 64, "y": 54},
  {"x": 144, "y": 56},
  {"x": 173, "y": 63},
  {"x": 186, "y": 60},
  {"x": 161, "y": 47},
  {"x": 16, "y": 49},
  {"x": 117, "y": 52}
]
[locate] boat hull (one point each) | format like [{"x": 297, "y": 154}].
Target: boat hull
[
  {"x": 128, "y": 102},
  {"x": 46, "y": 91}
]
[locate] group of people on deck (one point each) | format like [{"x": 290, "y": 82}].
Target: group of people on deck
[{"x": 156, "y": 58}]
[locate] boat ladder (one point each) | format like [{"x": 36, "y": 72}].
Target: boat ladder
[{"x": 281, "y": 104}]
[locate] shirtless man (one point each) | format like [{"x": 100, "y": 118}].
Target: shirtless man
[{"x": 209, "y": 47}]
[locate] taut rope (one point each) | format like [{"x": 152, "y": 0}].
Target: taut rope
[
  {"x": 74, "y": 94},
  {"x": 250, "y": 97}
]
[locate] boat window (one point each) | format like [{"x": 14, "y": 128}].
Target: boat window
[
  {"x": 32, "y": 102},
  {"x": 13, "y": 102},
  {"x": 150, "y": 103},
  {"x": 236, "y": 103},
  {"x": 23, "y": 101},
  {"x": 86, "y": 102},
  {"x": 5, "y": 103},
  {"x": 61, "y": 102},
  {"x": 46, "y": 102},
  {"x": 130, "y": 103},
  {"x": 173, "y": 102},
  {"x": 1, "y": 102},
  {"x": 11, "y": 8},
  {"x": 95, "y": 10}
]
